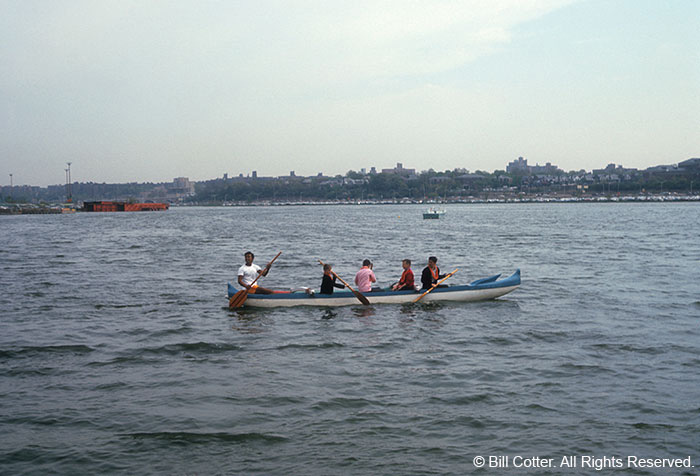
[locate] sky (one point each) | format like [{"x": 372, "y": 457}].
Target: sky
[{"x": 133, "y": 91}]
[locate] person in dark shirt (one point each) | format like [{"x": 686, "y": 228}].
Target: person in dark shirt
[
  {"x": 328, "y": 282},
  {"x": 406, "y": 281},
  {"x": 431, "y": 274}
]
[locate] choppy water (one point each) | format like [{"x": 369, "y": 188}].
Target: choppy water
[{"x": 118, "y": 354}]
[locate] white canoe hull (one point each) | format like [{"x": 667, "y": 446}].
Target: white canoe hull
[{"x": 480, "y": 290}]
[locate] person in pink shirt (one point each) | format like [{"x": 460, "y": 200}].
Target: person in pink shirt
[{"x": 365, "y": 277}]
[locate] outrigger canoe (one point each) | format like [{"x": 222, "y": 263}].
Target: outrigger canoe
[{"x": 479, "y": 290}]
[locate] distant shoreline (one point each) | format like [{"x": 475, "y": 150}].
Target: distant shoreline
[
  {"x": 30, "y": 209},
  {"x": 475, "y": 201}
]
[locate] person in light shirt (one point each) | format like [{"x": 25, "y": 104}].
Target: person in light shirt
[
  {"x": 249, "y": 272},
  {"x": 365, "y": 277}
]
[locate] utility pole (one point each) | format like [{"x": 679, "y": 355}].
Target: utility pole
[
  {"x": 11, "y": 186},
  {"x": 69, "y": 192}
]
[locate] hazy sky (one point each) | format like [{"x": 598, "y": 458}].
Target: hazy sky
[{"x": 148, "y": 91}]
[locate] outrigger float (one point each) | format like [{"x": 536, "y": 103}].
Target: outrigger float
[{"x": 480, "y": 290}]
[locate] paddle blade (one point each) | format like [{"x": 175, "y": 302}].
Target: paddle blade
[
  {"x": 238, "y": 299},
  {"x": 361, "y": 297}
]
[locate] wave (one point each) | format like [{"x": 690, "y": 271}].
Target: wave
[
  {"x": 342, "y": 402},
  {"x": 138, "y": 355},
  {"x": 199, "y": 347},
  {"x": 185, "y": 437},
  {"x": 46, "y": 349},
  {"x": 629, "y": 348},
  {"x": 117, "y": 306},
  {"x": 325, "y": 345},
  {"x": 463, "y": 399}
]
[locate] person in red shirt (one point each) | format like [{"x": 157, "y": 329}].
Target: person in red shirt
[{"x": 406, "y": 281}]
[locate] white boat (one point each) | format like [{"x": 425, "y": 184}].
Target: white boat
[
  {"x": 433, "y": 213},
  {"x": 479, "y": 290}
]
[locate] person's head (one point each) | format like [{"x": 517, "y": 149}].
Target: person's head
[
  {"x": 249, "y": 257},
  {"x": 406, "y": 263},
  {"x": 432, "y": 261},
  {"x": 367, "y": 263},
  {"x": 327, "y": 268}
]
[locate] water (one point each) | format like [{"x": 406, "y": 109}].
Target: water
[{"x": 118, "y": 354}]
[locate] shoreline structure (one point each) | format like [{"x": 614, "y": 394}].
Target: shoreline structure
[
  {"x": 463, "y": 201},
  {"x": 48, "y": 209}
]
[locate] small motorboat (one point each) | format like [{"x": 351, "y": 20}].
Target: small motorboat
[{"x": 433, "y": 213}]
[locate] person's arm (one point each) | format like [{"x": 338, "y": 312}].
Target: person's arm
[
  {"x": 372, "y": 277},
  {"x": 240, "y": 281},
  {"x": 402, "y": 281}
]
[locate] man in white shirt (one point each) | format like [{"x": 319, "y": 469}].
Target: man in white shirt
[{"x": 249, "y": 272}]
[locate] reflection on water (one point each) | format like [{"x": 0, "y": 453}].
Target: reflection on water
[
  {"x": 329, "y": 313},
  {"x": 364, "y": 311}
]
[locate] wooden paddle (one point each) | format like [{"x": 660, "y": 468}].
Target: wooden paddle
[
  {"x": 357, "y": 294},
  {"x": 239, "y": 298},
  {"x": 435, "y": 286}
]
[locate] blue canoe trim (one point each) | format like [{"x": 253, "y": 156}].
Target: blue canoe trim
[
  {"x": 485, "y": 280},
  {"x": 484, "y": 283}
]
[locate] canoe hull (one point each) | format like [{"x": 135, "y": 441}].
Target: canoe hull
[{"x": 479, "y": 290}]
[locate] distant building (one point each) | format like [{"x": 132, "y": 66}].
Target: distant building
[
  {"x": 614, "y": 173},
  {"x": 547, "y": 168},
  {"x": 518, "y": 166},
  {"x": 470, "y": 178},
  {"x": 399, "y": 170},
  {"x": 182, "y": 186}
]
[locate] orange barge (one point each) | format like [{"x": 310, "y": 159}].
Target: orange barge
[{"x": 104, "y": 206}]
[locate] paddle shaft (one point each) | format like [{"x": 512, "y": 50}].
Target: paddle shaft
[
  {"x": 357, "y": 294},
  {"x": 435, "y": 286},
  {"x": 266, "y": 267}
]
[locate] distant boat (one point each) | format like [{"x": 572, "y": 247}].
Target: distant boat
[{"x": 433, "y": 213}]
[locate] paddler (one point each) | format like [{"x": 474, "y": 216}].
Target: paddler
[
  {"x": 249, "y": 272},
  {"x": 406, "y": 281},
  {"x": 328, "y": 282},
  {"x": 365, "y": 277},
  {"x": 431, "y": 274}
]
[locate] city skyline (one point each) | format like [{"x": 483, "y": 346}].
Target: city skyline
[
  {"x": 519, "y": 165},
  {"x": 147, "y": 92}
]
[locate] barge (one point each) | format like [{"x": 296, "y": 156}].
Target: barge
[{"x": 109, "y": 206}]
